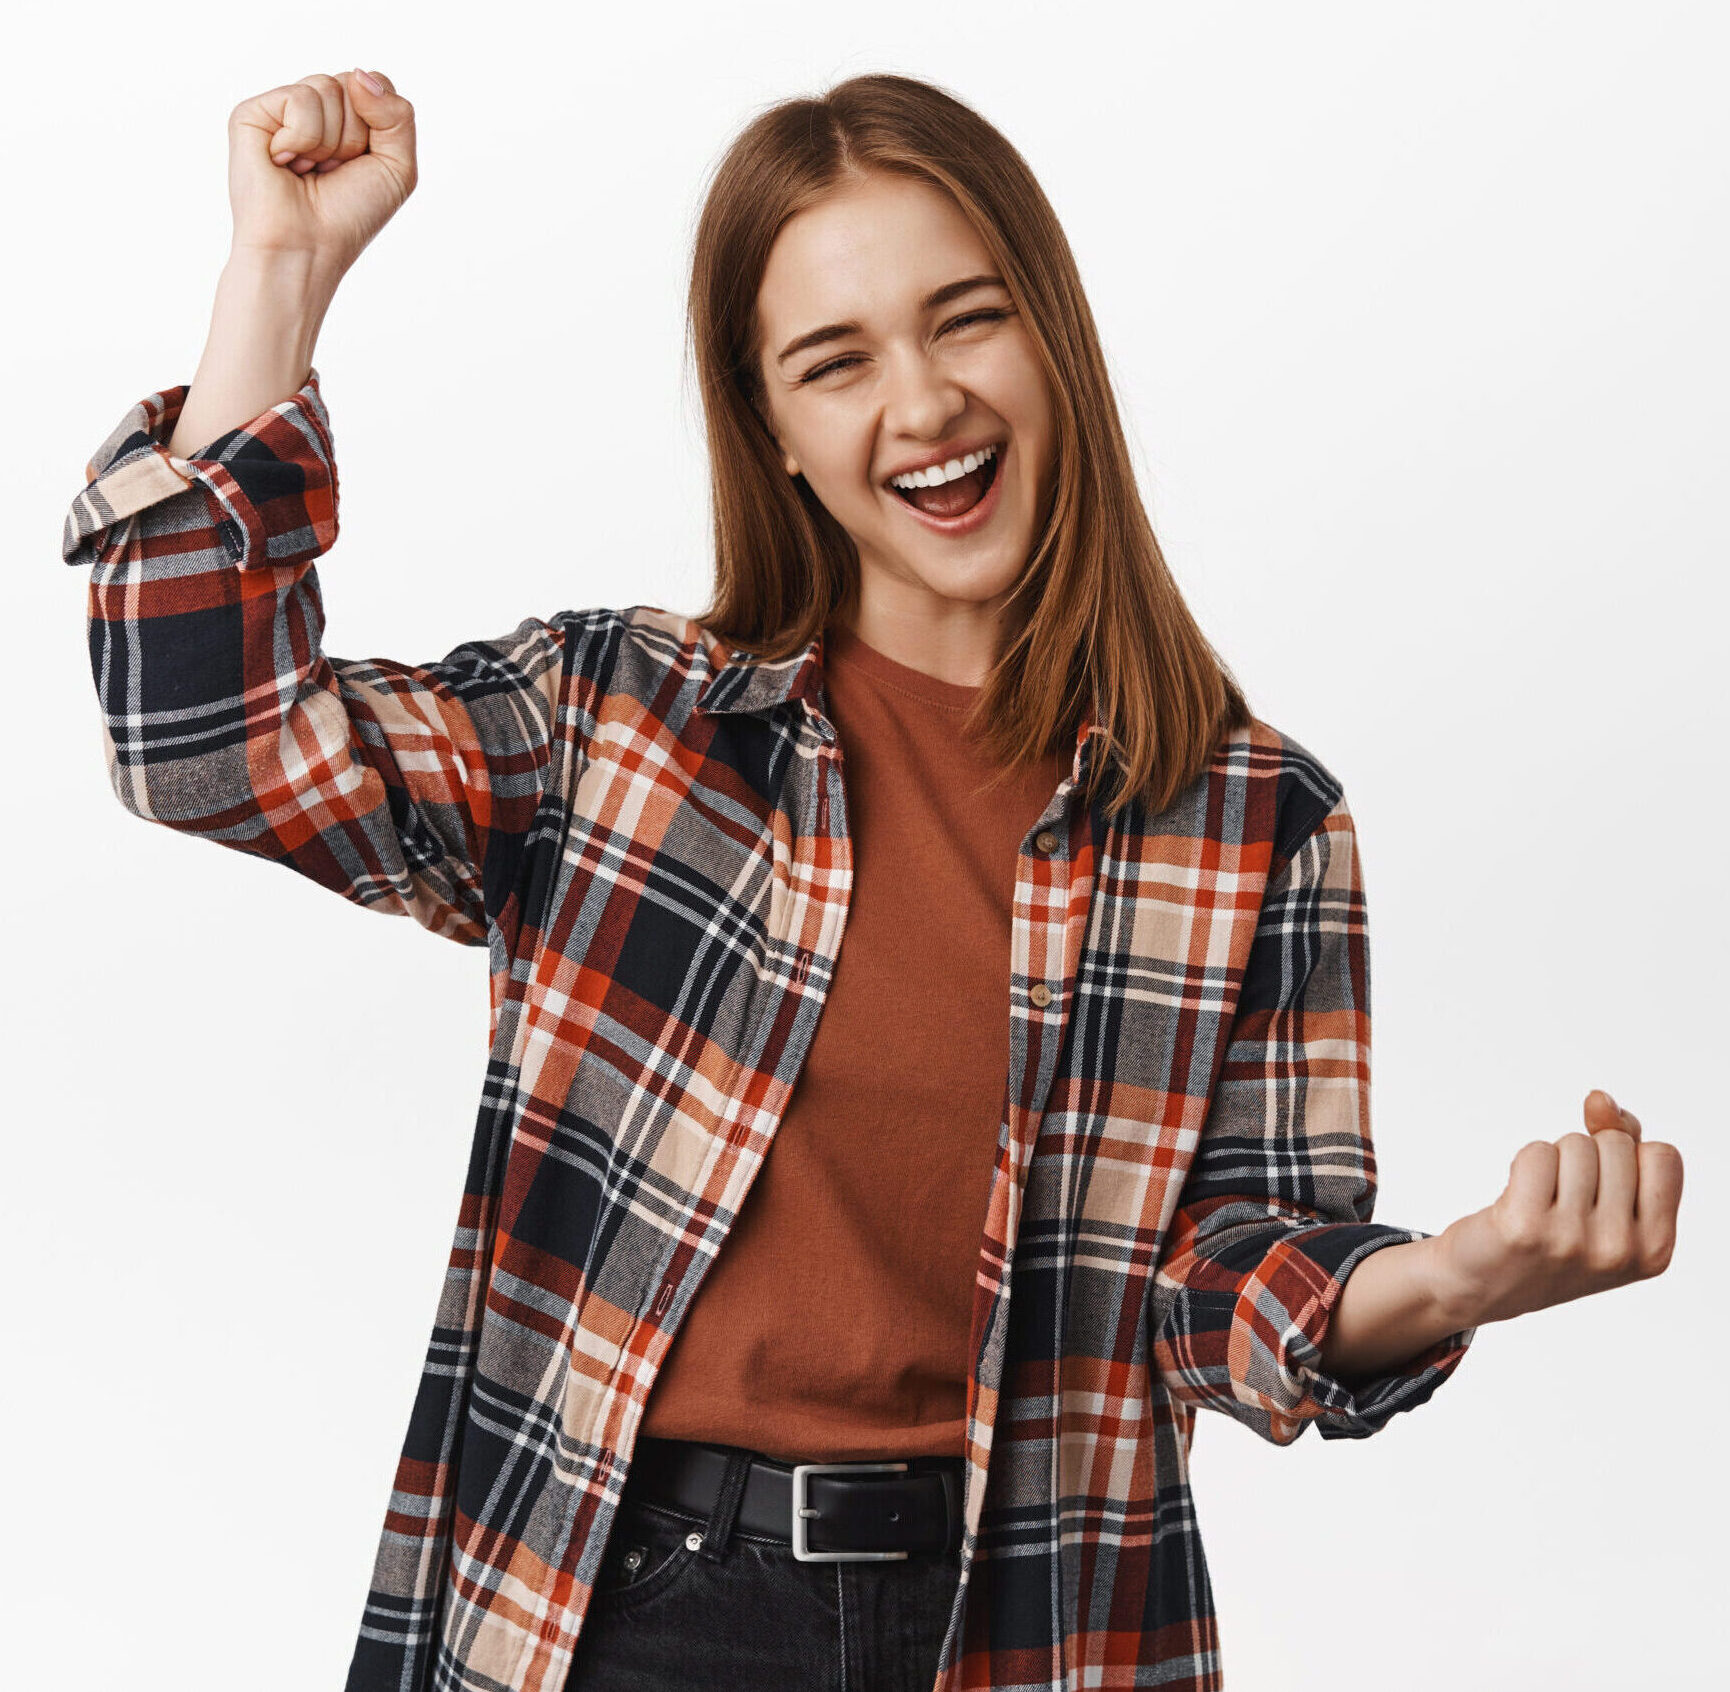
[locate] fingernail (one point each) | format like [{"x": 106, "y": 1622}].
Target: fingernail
[
  {"x": 371, "y": 81},
  {"x": 282, "y": 157}
]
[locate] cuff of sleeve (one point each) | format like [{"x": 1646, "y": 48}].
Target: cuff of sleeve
[
  {"x": 1303, "y": 1276},
  {"x": 274, "y": 480}
]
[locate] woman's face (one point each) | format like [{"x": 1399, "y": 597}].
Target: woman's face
[{"x": 889, "y": 345}]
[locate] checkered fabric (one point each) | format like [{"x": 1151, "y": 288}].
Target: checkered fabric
[{"x": 647, "y": 831}]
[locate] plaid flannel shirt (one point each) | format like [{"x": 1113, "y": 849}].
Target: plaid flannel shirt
[{"x": 647, "y": 830}]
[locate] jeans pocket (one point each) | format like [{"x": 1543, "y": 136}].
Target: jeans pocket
[{"x": 648, "y": 1550}]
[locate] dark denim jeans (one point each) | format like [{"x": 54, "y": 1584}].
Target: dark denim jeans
[{"x": 742, "y": 1613}]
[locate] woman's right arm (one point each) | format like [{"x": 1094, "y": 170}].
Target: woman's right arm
[{"x": 409, "y": 789}]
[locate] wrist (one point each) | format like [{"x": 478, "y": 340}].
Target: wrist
[
  {"x": 277, "y": 287},
  {"x": 1452, "y": 1300},
  {"x": 289, "y": 264}
]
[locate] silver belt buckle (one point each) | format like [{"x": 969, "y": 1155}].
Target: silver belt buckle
[{"x": 802, "y": 1513}]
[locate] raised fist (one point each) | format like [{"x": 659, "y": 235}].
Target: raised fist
[{"x": 318, "y": 167}]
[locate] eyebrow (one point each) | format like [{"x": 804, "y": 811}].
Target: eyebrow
[{"x": 839, "y": 331}]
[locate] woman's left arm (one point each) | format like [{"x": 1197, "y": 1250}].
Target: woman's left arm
[{"x": 1274, "y": 1222}]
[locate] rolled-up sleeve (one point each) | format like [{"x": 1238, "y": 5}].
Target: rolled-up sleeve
[
  {"x": 1275, "y": 1211},
  {"x": 408, "y": 788}
]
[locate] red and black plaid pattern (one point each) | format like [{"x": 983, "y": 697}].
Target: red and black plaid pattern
[{"x": 648, "y": 832}]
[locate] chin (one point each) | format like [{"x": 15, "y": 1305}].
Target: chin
[
  {"x": 950, "y": 569},
  {"x": 977, "y": 580}
]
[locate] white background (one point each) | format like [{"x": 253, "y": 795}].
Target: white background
[{"x": 1418, "y": 318}]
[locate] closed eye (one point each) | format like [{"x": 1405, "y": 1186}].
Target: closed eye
[{"x": 993, "y": 314}]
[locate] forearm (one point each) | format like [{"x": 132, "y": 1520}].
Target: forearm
[
  {"x": 1387, "y": 1313},
  {"x": 263, "y": 329}
]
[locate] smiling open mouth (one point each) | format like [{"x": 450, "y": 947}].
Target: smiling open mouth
[{"x": 954, "y": 499}]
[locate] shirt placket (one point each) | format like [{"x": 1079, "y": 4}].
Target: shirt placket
[
  {"x": 805, "y": 920},
  {"x": 1054, "y": 885}
]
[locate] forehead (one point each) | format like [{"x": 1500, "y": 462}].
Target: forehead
[{"x": 871, "y": 249}]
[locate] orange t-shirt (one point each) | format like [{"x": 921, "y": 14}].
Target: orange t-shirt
[{"x": 833, "y": 1325}]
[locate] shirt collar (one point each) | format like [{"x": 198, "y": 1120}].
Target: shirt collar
[{"x": 741, "y": 681}]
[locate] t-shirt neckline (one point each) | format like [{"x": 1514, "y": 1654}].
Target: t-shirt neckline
[{"x": 844, "y": 645}]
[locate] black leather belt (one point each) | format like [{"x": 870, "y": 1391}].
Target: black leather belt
[{"x": 828, "y": 1512}]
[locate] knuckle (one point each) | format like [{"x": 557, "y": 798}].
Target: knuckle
[
  {"x": 1615, "y": 1254},
  {"x": 302, "y": 112},
  {"x": 1656, "y": 1259},
  {"x": 1523, "y": 1233}
]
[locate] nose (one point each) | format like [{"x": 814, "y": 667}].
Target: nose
[{"x": 922, "y": 398}]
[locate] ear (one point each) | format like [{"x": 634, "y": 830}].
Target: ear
[
  {"x": 768, "y": 423},
  {"x": 791, "y": 463}
]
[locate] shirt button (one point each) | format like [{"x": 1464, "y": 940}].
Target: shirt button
[
  {"x": 1040, "y": 994},
  {"x": 1045, "y": 840}
]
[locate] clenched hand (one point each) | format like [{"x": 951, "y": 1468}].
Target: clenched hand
[
  {"x": 1579, "y": 1215},
  {"x": 318, "y": 167}
]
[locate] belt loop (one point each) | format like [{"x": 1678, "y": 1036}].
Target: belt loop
[
  {"x": 718, "y": 1530},
  {"x": 955, "y": 1520}
]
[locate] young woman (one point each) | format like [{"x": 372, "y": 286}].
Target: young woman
[{"x": 823, "y": 1315}]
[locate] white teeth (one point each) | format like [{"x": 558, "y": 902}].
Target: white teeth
[{"x": 938, "y": 474}]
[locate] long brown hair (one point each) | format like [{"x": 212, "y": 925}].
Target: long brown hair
[{"x": 1095, "y": 620}]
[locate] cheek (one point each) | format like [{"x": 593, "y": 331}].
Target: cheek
[
  {"x": 841, "y": 479},
  {"x": 1035, "y": 423},
  {"x": 1015, "y": 387},
  {"x": 846, "y": 474},
  {"x": 834, "y": 459}
]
